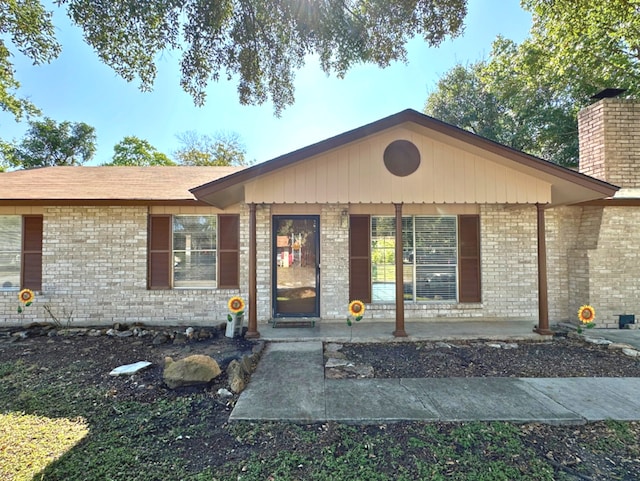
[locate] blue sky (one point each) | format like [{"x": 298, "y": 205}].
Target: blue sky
[{"x": 77, "y": 87}]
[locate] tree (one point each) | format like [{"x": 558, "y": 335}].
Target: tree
[
  {"x": 583, "y": 47},
  {"x": 138, "y": 152},
  {"x": 47, "y": 143},
  {"x": 28, "y": 26},
  {"x": 259, "y": 42},
  {"x": 489, "y": 99},
  {"x": 223, "y": 149}
]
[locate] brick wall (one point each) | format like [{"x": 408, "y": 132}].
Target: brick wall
[
  {"x": 604, "y": 268},
  {"x": 95, "y": 272},
  {"x": 562, "y": 230},
  {"x": 263, "y": 263},
  {"x": 509, "y": 261},
  {"x": 609, "y": 134},
  {"x": 509, "y": 272},
  {"x": 334, "y": 259}
]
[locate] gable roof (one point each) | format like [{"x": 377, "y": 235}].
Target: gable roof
[
  {"x": 158, "y": 184},
  {"x": 567, "y": 186}
]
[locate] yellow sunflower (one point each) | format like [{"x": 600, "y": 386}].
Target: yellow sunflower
[
  {"x": 236, "y": 304},
  {"x": 586, "y": 314},
  {"x": 26, "y": 296},
  {"x": 356, "y": 308}
]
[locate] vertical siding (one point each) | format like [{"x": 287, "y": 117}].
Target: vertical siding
[{"x": 355, "y": 173}]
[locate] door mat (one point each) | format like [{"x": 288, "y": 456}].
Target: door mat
[{"x": 279, "y": 323}]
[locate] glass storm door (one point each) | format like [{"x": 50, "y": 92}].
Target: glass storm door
[{"x": 296, "y": 262}]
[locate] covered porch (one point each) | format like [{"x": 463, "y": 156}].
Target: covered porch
[{"x": 383, "y": 331}]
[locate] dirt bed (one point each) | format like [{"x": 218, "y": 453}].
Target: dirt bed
[{"x": 562, "y": 357}]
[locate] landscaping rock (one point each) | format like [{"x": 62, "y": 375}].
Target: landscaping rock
[
  {"x": 631, "y": 352},
  {"x": 161, "y": 338},
  {"x": 333, "y": 347},
  {"x": 180, "y": 338},
  {"x": 192, "y": 370},
  {"x": 597, "y": 340},
  {"x": 619, "y": 345},
  {"x": 236, "y": 373},
  {"x": 224, "y": 393},
  {"x": 332, "y": 362},
  {"x": 334, "y": 355}
]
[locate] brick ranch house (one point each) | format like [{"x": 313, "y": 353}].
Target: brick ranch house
[{"x": 417, "y": 218}]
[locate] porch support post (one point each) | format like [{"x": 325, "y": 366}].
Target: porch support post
[
  {"x": 543, "y": 290},
  {"x": 252, "y": 331},
  {"x": 399, "y": 332}
]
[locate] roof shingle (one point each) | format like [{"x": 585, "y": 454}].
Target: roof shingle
[{"x": 108, "y": 183}]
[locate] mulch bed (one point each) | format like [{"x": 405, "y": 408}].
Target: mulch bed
[{"x": 561, "y": 357}]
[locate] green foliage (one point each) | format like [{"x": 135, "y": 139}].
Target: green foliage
[
  {"x": 261, "y": 43},
  {"x": 582, "y": 47},
  {"x": 221, "y": 150},
  {"x": 527, "y": 96},
  {"x": 383, "y": 251},
  {"x": 489, "y": 99},
  {"x": 25, "y": 27},
  {"x": 48, "y": 143},
  {"x": 133, "y": 151}
]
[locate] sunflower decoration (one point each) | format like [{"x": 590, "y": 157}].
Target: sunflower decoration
[
  {"x": 26, "y": 297},
  {"x": 356, "y": 311},
  {"x": 586, "y": 315},
  {"x": 236, "y": 306}
]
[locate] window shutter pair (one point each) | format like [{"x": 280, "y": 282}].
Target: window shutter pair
[
  {"x": 160, "y": 253},
  {"x": 468, "y": 258},
  {"x": 31, "y": 271}
]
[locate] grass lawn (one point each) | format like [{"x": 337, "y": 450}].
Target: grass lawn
[{"x": 55, "y": 425}]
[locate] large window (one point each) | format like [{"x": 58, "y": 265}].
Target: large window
[
  {"x": 194, "y": 251},
  {"x": 20, "y": 252},
  {"x": 10, "y": 251},
  {"x": 429, "y": 258}
]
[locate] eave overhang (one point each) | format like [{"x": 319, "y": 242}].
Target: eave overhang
[{"x": 567, "y": 186}]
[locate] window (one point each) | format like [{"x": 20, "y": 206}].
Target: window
[
  {"x": 20, "y": 252},
  {"x": 193, "y": 251},
  {"x": 383, "y": 258},
  {"x": 429, "y": 258},
  {"x": 10, "y": 251}
]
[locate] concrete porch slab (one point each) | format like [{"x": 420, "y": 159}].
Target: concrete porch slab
[{"x": 382, "y": 331}]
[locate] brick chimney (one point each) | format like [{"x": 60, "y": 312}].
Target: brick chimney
[{"x": 609, "y": 136}]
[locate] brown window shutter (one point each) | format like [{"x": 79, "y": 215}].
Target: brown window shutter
[
  {"x": 469, "y": 258},
  {"x": 229, "y": 251},
  {"x": 32, "y": 252},
  {"x": 159, "y": 261},
  {"x": 360, "y": 258}
]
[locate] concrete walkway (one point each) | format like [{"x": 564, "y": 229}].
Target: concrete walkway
[{"x": 289, "y": 385}]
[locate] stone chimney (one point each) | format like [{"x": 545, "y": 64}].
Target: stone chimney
[{"x": 609, "y": 136}]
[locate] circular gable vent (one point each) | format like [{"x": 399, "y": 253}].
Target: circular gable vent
[{"x": 401, "y": 158}]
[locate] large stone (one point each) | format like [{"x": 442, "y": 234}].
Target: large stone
[
  {"x": 235, "y": 373},
  {"x": 192, "y": 370}
]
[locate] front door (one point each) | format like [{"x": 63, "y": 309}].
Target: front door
[{"x": 296, "y": 258}]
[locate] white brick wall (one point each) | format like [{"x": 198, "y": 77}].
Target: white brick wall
[
  {"x": 95, "y": 265},
  {"x": 334, "y": 260}
]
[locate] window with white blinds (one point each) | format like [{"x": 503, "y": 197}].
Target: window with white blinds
[{"x": 429, "y": 256}]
